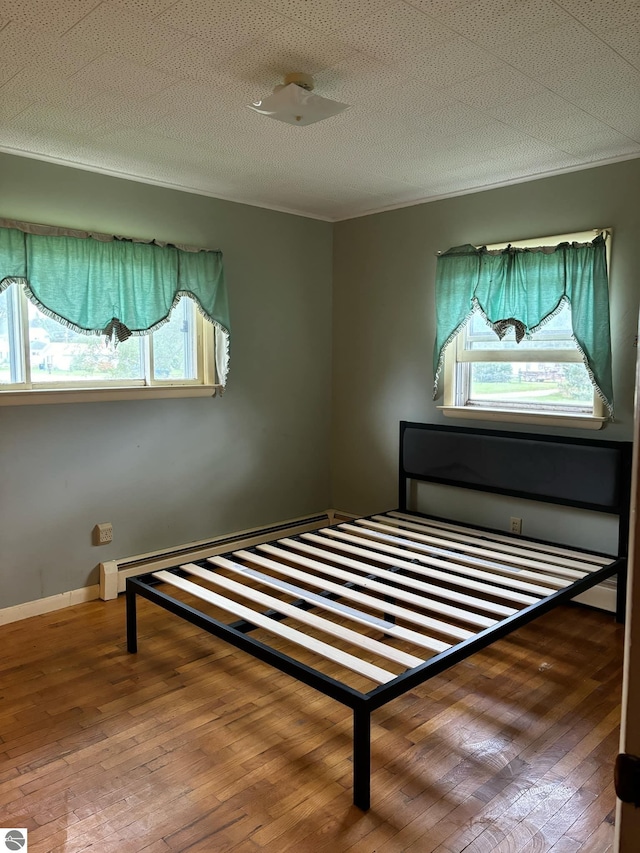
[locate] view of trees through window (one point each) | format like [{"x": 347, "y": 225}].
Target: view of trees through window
[
  {"x": 58, "y": 354},
  {"x": 540, "y": 384}
]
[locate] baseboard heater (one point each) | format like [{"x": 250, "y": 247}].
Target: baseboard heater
[{"x": 114, "y": 573}]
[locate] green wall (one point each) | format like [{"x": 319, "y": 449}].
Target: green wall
[
  {"x": 383, "y": 316},
  {"x": 325, "y": 361},
  {"x": 167, "y": 472}
]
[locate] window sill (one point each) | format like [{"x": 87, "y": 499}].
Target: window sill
[
  {"x": 104, "y": 395},
  {"x": 536, "y": 418}
]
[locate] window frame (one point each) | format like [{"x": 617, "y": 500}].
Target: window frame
[
  {"x": 456, "y": 356},
  {"x": 86, "y": 391}
]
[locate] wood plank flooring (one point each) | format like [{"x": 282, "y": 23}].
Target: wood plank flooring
[{"x": 193, "y": 746}]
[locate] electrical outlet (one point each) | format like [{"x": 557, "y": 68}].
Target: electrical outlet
[
  {"x": 103, "y": 533},
  {"x": 515, "y": 525}
]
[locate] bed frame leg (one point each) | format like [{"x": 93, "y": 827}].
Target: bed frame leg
[
  {"x": 362, "y": 758},
  {"x": 621, "y": 594},
  {"x": 132, "y": 621}
]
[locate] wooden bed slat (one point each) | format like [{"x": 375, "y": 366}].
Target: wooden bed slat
[
  {"x": 304, "y": 616},
  {"x": 563, "y": 566},
  {"x": 500, "y": 573},
  {"x": 334, "y": 606},
  {"x": 346, "y": 592},
  {"x": 497, "y": 561},
  {"x": 375, "y": 673},
  {"x": 394, "y": 588},
  {"x": 499, "y": 537},
  {"x": 453, "y": 573},
  {"x": 461, "y": 598}
]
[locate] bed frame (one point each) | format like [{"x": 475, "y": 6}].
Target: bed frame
[{"x": 406, "y": 595}]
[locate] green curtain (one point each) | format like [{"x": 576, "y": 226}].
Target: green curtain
[
  {"x": 113, "y": 286},
  {"x": 525, "y": 287}
]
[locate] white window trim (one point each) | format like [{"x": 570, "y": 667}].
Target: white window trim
[
  {"x": 453, "y": 356},
  {"x": 110, "y": 391},
  {"x": 105, "y": 395}
]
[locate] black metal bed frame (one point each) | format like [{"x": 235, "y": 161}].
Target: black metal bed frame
[{"x": 617, "y": 471}]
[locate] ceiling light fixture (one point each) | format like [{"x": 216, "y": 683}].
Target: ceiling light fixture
[{"x": 294, "y": 102}]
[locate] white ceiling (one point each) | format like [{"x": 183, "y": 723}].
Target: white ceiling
[{"x": 447, "y": 96}]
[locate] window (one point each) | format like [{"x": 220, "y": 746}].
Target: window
[
  {"x": 37, "y": 353},
  {"x": 157, "y": 317},
  {"x": 505, "y": 371}
]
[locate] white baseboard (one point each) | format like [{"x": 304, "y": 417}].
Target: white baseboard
[
  {"x": 603, "y": 596},
  {"x": 49, "y": 604}
]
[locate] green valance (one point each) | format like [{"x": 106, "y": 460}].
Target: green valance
[
  {"x": 106, "y": 285},
  {"x": 525, "y": 288}
]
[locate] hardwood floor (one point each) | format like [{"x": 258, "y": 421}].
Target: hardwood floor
[{"x": 191, "y": 745}]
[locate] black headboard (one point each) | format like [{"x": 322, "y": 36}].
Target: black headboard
[{"x": 577, "y": 472}]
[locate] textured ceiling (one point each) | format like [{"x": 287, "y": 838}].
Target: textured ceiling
[{"x": 447, "y": 96}]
